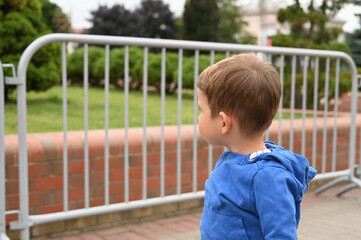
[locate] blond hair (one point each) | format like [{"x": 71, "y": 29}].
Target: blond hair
[{"x": 245, "y": 87}]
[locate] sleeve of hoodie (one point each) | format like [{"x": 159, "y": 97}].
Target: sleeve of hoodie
[{"x": 274, "y": 192}]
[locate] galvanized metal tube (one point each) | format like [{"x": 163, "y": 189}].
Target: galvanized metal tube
[
  {"x": 94, "y": 211},
  {"x": 352, "y": 147},
  {"x": 325, "y": 111},
  {"x": 23, "y": 157},
  {"x": 280, "y": 109},
  {"x": 228, "y": 54},
  {"x": 86, "y": 145},
  {"x": 145, "y": 98},
  {"x": 335, "y": 111},
  {"x": 106, "y": 118},
  {"x": 269, "y": 59},
  {"x": 293, "y": 92},
  {"x": 195, "y": 116},
  {"x": 126, "y": 123},
  {"x": 210, "y": 147},
  {"x": 304, "y": 105},
  {"x": 65, "y": 127},
  {"x": 2, "y": 155},
  {"x": 179, "y": 140},
  {"x": 315, "y": 108},
  {"x": 162, "y": 147},
  {"x": 174, "y": 44},
  {"x": 267, "y": 135}
]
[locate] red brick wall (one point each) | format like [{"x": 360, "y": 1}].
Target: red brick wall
[{"x": 45, "y": 152}]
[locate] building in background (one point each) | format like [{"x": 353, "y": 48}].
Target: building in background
[{"x": 256, "y": 12}]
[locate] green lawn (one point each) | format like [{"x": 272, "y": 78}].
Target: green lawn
[{"x": 44, "y": 111}]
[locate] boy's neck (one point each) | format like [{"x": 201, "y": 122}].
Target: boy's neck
[{"x": 246, "y": 144}]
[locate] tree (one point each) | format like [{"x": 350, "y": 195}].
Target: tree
[
  {"x": 201, "y": 20},
  {"x": 20, "y": 24},
  {"x": 152, "y": 19},
  {"x": 231, "y": 26},
  {"x": 156, "y": 20},
  {"x": 318, "y": 35},
  {"x": 354, "y": 39},
  {"x": 54, "y": 18},
  {"x": 295, "y": 16},
  {"x": 116, "y": 20}
]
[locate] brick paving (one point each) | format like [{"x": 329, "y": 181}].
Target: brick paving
[{"x": 323, "y": 217}]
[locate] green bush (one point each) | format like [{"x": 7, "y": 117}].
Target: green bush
[
  {"x": 188, "y": 68},
  {"x": 344, "y": 84},
  {"x": 76, "y": 64},
  {"x": 116, "y": 63}
]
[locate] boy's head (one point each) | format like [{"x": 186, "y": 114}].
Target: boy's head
[{"x": 245, "y": 87}]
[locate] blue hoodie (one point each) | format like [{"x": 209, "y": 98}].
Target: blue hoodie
[{"x": 255, "y": 199}]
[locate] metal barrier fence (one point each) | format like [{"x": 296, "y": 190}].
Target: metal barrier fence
[{"x": 289, "y": 61}]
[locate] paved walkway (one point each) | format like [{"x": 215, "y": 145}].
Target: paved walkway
[{"x": 323, "y": 217}]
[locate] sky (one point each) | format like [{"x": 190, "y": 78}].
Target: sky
[{"x": 79, "y": 10}]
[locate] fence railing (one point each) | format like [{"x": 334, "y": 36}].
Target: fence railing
[{"x": 307, "y": 78}]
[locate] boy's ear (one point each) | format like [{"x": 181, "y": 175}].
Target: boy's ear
[{"x": 226, "y": 122}]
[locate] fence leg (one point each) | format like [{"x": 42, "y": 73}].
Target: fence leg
[
  {"x": 2, "y": 160},
  {"x": 355, "y": 183},
  {"x": 332, "y": 183},
  {"x": 3, "y": 236}
]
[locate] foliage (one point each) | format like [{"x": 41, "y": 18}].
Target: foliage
[
  {"x": 354, "y": 39},
  {"x": 188, "y": 68},
  {"x": 20, "y": 24},
  {"x": 201, "y": 20},
  {"x": 113, "y": 21},
  {"x": 76, "y": 64},
  {"x": 156, "y": 20},
  {"x": 96, "y": 60},
  {"x": 231, "y": 26},
  {"x": 152, "y": 19},
  {"x": 54, "y": 18},
  {"x": 155, "y": 68},
  {"x": 318, "y": 34}
]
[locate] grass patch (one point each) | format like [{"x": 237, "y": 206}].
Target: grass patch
[{"x": 44, "y": 110}]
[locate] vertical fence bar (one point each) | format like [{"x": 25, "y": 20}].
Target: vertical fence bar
[
  {"x": 210, "y": 147},
  {"x": 162, "y": 147},
  {"x": 23, "y": 157},
  {"x": 335, "y": 111},
  {"x": 195, "y": 115},
  {"x": 179, "y": 144},
  {"x": 2, "y": 158},
  {"x": 304, "y": 105},
  {"x": 280, "y": 109},
  {"x": 325, "y": 110},
  {"x": 267, "y": 135},
  {"x": 126, "y": 123},
  {"x": 353, "y": 127},
  {"x": 145, "y": 98},
  {"x": 65, "y": 127},
  {"x": 269, "y": 59},
  {"x": 315, "y": 108},
  {"x": 106, "y": 118},
  {"x": 86, "y": 145},
  {"x": 293, "y": 92},
  {"x": 228, "y": 54}
]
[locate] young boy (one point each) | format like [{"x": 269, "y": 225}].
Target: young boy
[{"x": 256, "y": 188}]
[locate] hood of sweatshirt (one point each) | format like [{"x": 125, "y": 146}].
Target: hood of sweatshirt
[{"x": 296, "y": 164}]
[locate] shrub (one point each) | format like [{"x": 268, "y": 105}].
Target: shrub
[
  {"x": 188, "y": 68},
  {"x": 116, "y": 63},
  {"x": 76, "y": 64}
]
